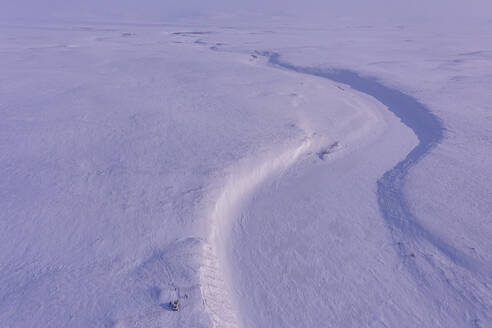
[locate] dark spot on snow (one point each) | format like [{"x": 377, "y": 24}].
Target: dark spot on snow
[
  {"x": 173, "y": 305},
  {"x": 127, "y": 34},
  {"x": 200, "y": 42},
  {"x": 472, "y": 53},
  {"x": 166, "y": 306},
  {"x": 110, "y": 323},
  {"x": 328, "y": 150},
  {"x": 191, "y": 33},
  {"x": 94, "y": 29},
  {"x": 263, "y": 53},
  {"x": 476, "y": 323}
]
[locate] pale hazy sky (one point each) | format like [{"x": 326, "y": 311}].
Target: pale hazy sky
[{"x": 157, "y": 9}]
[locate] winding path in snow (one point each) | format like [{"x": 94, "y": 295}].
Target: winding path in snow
[{"x": 409, "y": 235}]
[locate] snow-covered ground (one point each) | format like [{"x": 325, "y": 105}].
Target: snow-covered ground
[{"x": 232, "y": 168}]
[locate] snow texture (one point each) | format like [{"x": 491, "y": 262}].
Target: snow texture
[{"x": 267, "y": 174}]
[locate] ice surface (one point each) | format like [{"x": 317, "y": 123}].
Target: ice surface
[{"x": 143, "y": 163}]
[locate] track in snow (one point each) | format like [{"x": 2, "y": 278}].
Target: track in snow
[
  {"x": 409, "y": 235},
  {"x": 437, "y": 259}
]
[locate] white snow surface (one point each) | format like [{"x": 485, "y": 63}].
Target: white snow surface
[{"x": 143, "y": 163}]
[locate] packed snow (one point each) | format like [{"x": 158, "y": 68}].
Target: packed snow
[{"x": 263, "y": 175}]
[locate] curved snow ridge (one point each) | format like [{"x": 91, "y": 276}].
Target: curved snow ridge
[
  {"x": 409, "y": 235},
  {"x": 214, "y": 276}
]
